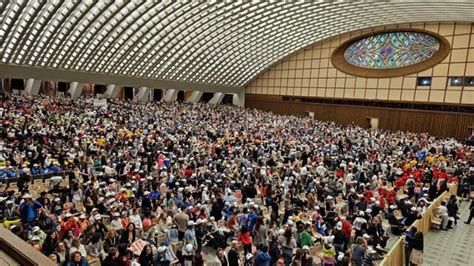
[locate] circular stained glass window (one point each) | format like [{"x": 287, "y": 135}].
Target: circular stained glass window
[{"x": 388, "y": 54}]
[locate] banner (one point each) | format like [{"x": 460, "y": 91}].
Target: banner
[{"x": 100, "y": 103}]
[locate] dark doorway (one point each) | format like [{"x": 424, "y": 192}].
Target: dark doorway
[
  {"x": 227, "y": 99},
  {"x": 157, "y": 95},
  {"x": 206, "y": 97},
  {"x": 17, "y": 84},
  {"x": 128, "y": 93},
  {"x": 99, "y": 89},
  {"x": 180, "y": 96},
  {"x": 63, "y": 86}
]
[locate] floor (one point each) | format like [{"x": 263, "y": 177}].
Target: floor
[{"x": 452, "y": 247}]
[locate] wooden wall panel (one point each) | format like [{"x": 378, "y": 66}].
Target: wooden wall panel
[{"x": 442, "y": 124}]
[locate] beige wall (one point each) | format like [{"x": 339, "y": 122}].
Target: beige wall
[{"x": 311, "y": 73}]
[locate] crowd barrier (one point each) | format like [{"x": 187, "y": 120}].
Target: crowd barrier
[{"x": 396, "y": 255}]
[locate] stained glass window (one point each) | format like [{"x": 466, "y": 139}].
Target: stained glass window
[{"x": 391, "y": 50}]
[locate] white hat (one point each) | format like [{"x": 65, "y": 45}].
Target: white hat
[
  {"x": 281, "y": 232},
  {"x": 339, "y": 226},
  {"x": 290, "y": 222},
  {"x": 36, "y": 229},
  {"x": 189, "y": 248},
  {"x": 161, "y": 249},
  {"x": 97, "y": 217},
  {"x": 68, "y": 214},
  {"x": 305, "y": 247},
  {"x": 117, "y": 214},
  {"x": 368, "y": 211},
  {"x": 82, "y": 216},
  {"x": 361, "y": 213},
  {"x": 27, "y": 196},
  {"x": 198, "y": 221},
  {"x": 35, "y": 238},
  {"x": 366, "y": 236},
  {"x": 413, "y": 209},
  {"x": 146, "y": 193},
  {"x": 9, "y": 202},
  {"x": 393, "y": 207},
  {"x": 248, "y": 256}
]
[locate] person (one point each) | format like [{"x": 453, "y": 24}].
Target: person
[
  {"x": 260, "y": 234},
  {"x": 245, "y": 238},
  {"x": 306, "y": 239},
  {"x": 111, "y": 258},
  {"x": 329, "y": 251},
  {"x": 29, "y": 211},
  {"x": 443, "y": 213},
  {"x": 471, "y": 212},
  {"x": 76, "y": 245},
  {"x": 146, "y": 257},
  {"x": 161, "y": 258},
  {"x": 233, "y": 254},
  {"x": 128, "y": 235},
  {"x": 262, "y": 257},
  {"x": 181, "y": 220},
  {"x": 416, "y": 256},
  {"x": 358, "y": 251},
  {"x": 409, "y": 238},
  {"x": 453, "y": 209},
  {"x": 78, "y": 260},
  {"x": 369, "y": 258},
  {"x": 221, "y": 257}
]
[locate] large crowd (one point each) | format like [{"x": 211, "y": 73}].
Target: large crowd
[{"x": 195, "y": 184}]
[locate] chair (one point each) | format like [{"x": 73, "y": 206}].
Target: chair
[
  {"x": 316, "y": 253},
  {"x": 435, "y": 220},
  {"x": 398, "y": 214}
]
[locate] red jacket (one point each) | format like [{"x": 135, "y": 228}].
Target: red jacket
[{"x": 245, "y": 238}]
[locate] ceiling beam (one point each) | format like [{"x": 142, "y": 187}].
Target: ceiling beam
[{"x": 42, "y": 73}]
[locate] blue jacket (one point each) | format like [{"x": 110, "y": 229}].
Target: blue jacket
[
  {"x": 29, "y": 211},
  {"x": 262, "y": 259}
]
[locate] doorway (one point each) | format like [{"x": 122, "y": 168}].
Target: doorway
[{"x": 372, "y": 122}]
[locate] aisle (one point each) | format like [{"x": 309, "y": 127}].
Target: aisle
[{"x": 452, "y": 247}]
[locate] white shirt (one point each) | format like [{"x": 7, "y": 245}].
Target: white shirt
[
  {"x": 116, "y": 224},
  {"x": 136, "y": 220}
]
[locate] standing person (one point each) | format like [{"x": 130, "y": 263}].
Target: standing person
[
  {"x": 181, "y": 220},
  {"x": 233, "y": 254},
  {"x": 409, "y": 237},
  {"x": 358, "y": 251},
  {"x": 416, "y": 256},
  {"x": 452, "y": 211},
  {"x": 471, "y": 214},
  {"x": 29, "y": 211},
  {"x": 245, "y": 238},
  {"x": 262, "y": 257}
]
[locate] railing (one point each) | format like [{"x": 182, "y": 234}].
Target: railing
[{"x": 396, "y": 255}]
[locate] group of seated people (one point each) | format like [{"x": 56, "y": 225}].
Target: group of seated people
[{"x": 194, "y": 184}]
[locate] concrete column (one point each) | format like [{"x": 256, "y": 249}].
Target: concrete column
[
  {"x": 75, "y": 89},
  {"x": 217, "y": 98},
  {"x": 112, "y": 91},
  {"x": 32, "y": 86},
  {"x": 170, "y": 95},
  {"x": 143, "y": 95},
  {"x": 238, "y": 99},
  {"x": 195, "y": 97}
]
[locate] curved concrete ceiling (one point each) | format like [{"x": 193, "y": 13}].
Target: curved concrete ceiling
[{"x": 225, "y": 43}]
